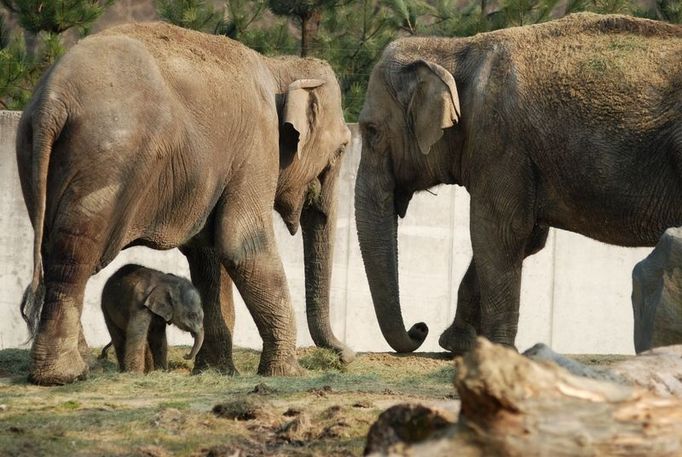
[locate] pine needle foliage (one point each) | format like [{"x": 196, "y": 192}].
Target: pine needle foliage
[
  {"x": 190, "y": 14},
  {"x": 349, "y": 34},
  {"x": 56, "y": 16}
]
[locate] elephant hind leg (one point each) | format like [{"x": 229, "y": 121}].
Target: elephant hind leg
[
  {"x": 215, "y": 287},
  {"x": 246, "y": 244},
  {"x": 118, "y": 340},
  {"x": 461, "y": 335},
  {"x": 56, "y": 352}
]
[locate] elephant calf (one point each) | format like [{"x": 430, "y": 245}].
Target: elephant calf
[{"x": 137, "y": 303}]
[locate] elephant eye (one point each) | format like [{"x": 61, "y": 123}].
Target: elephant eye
[
  {"x": 370, "y": 134},
  {"x": 370, "y": 130}
]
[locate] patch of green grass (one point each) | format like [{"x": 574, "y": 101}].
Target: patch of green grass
[
  {"x": 177, "y": 404},
  {"x": 322, "y": 359},
  {"x": 70, "y": 404},
  {"x": 14, "y": 362}
]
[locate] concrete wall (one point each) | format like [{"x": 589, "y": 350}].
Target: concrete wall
[{"x": 575, "y": 293}]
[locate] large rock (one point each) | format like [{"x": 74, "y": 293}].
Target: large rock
[{"x": 657, "y": 294}]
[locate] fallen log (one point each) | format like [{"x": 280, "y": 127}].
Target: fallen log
[{"x": 513, "y": 406}]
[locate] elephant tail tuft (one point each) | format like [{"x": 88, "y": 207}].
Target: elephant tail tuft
[{"x": 31, "y": 307}]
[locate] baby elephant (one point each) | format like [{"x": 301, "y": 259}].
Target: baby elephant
[{"x": 137, "y": 303}]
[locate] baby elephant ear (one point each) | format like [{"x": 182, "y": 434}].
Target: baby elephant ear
[
  {"x": 159, "y": 302},
  {"x": 298, "y": 116},
  {"x": 434, "y": 104}
]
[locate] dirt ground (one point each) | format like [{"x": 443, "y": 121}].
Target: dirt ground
[{"x": 327, "y": 412}]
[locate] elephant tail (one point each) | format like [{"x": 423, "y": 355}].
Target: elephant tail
[
  {"x": 105, "y": 351},
  {"x": 46, "y": 125}
]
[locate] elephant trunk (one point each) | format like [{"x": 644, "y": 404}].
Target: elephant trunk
[
  {"x": 318, "y": 221},
  {"x": 377, "y": 225},
  {"x": 198, "y": 341}
]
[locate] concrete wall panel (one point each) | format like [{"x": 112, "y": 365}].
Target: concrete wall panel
[{"x": 575, "y": 293}]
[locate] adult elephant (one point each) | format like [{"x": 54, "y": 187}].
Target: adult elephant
[
  {"x": 575, "y": 124},
  {"x": 149, "y": 134}
]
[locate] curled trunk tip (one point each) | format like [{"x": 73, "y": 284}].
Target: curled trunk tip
[{"x": 198, "y": 342}]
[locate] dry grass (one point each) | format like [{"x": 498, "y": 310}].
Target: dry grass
[{"x": 327, "y": 412}]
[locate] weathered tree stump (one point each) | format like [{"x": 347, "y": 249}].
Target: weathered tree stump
[
  {"x": 513, "y": 406},
  {"x": 657, "y": 294}
]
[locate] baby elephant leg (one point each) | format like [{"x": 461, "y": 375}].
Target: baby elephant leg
[
  {"x": 158, "y": 344},
  {"x": 136, "y": 341}
]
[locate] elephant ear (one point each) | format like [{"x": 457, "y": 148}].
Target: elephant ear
[
  {"x": 159, "y": 302},
  {"x": 433, "y": 105},
  {"x": 300, "y": 109}
]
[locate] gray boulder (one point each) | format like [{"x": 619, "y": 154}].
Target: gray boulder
[{"x": 657, "y": 294}]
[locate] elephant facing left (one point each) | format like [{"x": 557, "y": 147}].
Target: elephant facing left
[
  {"x": 138, "y": 303},
  {"x": 149, "y": 134}
]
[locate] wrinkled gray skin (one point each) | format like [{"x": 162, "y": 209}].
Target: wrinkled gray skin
[
  {"x": 575, "y": 124},
  {"x": 149, "y": 134},
  {"x": 138, "y": 303}
]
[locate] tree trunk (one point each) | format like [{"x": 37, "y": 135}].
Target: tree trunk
[
  {"x": 513, "y": 406},
  {"x": 310, "y": 26},
  {"x": 31, "y": 43}
]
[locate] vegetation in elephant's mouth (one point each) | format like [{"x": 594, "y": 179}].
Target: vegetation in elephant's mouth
[{"x": 326, "y": 412}]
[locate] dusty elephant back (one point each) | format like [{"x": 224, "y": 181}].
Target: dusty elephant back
[
  {"x": 582, "y": 59},
  {"x": 176, "y": 49},
  {"x": 616, "y": 68},
  {"x": 124, "y": 280}
]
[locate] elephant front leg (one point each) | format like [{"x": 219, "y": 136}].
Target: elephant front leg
[
  {"x": 158, "y": 344},
  {"x": 500, "y": 242},
  {"x": 136, "y": 345},
  {"x": 215, "y": 287},
  {"x": 461, "y": 335},
  {"x": 246, "y": 241}
]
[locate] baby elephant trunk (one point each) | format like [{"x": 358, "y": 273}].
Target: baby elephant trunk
[{"x": 198, "y": 341}]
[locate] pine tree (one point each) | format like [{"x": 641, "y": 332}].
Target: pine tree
[
  {"x": 239, "y": 16},
  {"x": 24, "y": 61},
  {"x": 307, "y": 13},
  {"x": 666, "y": 10},
  {"x": 352, "y": 37},
  {"x": 13, "y": 67},
  {"x": 190, "y": 14},
  {"x": 54, "y": 17}
]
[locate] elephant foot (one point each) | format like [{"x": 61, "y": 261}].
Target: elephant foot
[
  {"x": 286, "y": 365},
  {"x": 229, "y": 370},
  {"x": 209, "y": 360},
  {"x": 458, "y": 338},
  {"x": 66, "y": 368}
]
